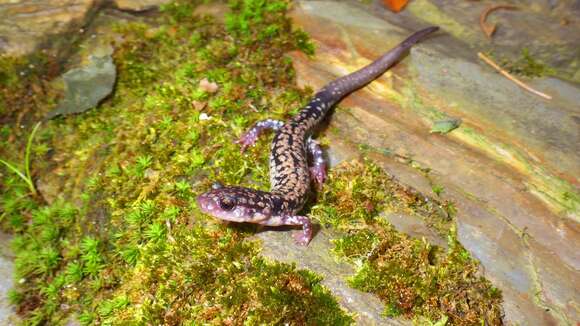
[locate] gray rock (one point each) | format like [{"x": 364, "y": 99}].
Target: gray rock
[
  {"x": 7, "y": 313},
  {"x": 87, "y": 86}
]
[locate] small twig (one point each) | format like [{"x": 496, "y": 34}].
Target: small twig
[
  {"x": 512, "y": 78},
  {"x": 253, "y": 107},
  {"x": 488, "y": 30}
]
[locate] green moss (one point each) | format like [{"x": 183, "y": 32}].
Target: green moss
[
  {"x": 364, "y": 190},
  {"x": 526, "y": 65},
  {"x": 413, "y": 278},
  {"x": 431, "y": 13},
  {"x": 10, "y": 69},
  {"x": 134, "y": 249},
  {"x": 213, "y": 277}
]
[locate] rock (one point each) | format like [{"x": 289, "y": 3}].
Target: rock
[
  {"x": 138, "y": 5},
  {"x": 7, "y": 313},
  {"x": 88, "y": 85},
  {"x": 25, "y": 25},
  {"x": 512, "y": 168},
  {"x": 415, "y": 227},
  {"x": 555, "y": 43}
]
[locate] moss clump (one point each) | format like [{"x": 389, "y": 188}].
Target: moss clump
[
  {"x": 23, "y": 87},
  {"x": 364, "y": 190},
  {"x": 9, "y": 72},
  {"x": 413, "y": 278},
  {"x": 247, "y": 14},
  {"x": 213, "y": 277},
  {"x": 121, "y": 240},
  {"x": 526, "y": 66}
]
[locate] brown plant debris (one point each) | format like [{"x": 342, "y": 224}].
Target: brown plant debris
[
  {"x": 488, "y": 30},
  {"x": 512, "y": 78}
]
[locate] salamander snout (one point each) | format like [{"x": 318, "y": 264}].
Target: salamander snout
[
  {"x": 229, "y": 204},
  {"x": 206, "y": 203},
  {"x": 213, "y": 203}
]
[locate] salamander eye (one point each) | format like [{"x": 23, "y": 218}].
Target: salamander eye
[{"x": 227, "y": 203}]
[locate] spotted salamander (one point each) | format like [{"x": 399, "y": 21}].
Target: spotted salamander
[{"x": 290, "y": 174}]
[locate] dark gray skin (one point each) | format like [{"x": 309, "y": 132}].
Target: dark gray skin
[{"x": 290, "y": 174}]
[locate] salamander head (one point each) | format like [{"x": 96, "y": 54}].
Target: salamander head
[{"x": 236, "y": 204}]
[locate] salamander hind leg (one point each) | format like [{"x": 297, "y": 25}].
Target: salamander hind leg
[
  {"x": 251, "y": 136},
  {"x": 318, "y": 168},
  {"x": 305, "y": 236}
]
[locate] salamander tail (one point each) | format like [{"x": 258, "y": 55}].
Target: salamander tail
[
  {"x": 418, "y": 36},
  {"x": 337, "y": 89},
  {"x": 340, "y": 87}
]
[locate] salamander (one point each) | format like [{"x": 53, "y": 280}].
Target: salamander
[{"x": 290, "y": 173}]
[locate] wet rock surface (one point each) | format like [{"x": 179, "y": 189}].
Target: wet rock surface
[
  {"x": 507, "y": 167},
  {"x": 27, "y": 25}
]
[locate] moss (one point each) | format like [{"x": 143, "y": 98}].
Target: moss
[
  {"x": 23, "y": 87},
  {"x": 364, "y": 189},
  {"x": 10, "y": 69},
  {"x": 413, "y": 278},
  {"x": 526, "y": 65},
  {"x": 213, "y": 277},
  {"x": 430, "y": 12},
  {"x": 134, "y": 248}
]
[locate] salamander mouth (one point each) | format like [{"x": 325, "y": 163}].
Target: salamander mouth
[{"x": 209, "y": 205}]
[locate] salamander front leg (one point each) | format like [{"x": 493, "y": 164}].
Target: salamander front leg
[
  {"x": 249, "y": 138},
  {"x": 318, "y": 168},
  {"x": 305, "y": 236}
]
